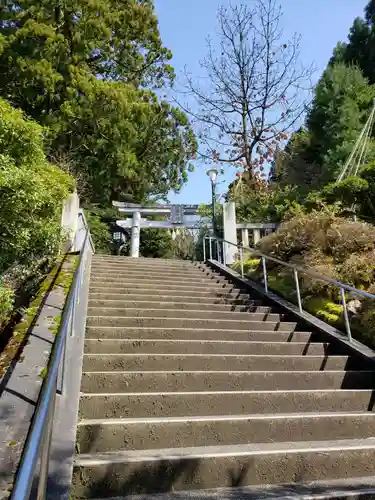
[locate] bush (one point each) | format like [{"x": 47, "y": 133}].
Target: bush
[
  {"x": 298, "y": 235},
  {"x": 6, "y": 303},
  {"x": 345, "y": 238},
  {"x": 31, "y": 196},
  {"x": 332, "y": 247},
  {"x": 100, "y": 233},
  {"x": 358, "y": 269},
  {"x": 31, "y": 192}
]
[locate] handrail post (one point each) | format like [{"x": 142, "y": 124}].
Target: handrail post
[
  {"x": 265, "y": 274},
  {"x": 210, "y": 242},
  {"x": 224, "y": 253},
  {"x": 204, "y": 248},
  {"x": 241, "y": 259},
  {"x": 346, "y": 316},
  {"x": 299, "y": 301}
]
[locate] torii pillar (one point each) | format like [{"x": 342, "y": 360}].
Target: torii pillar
[{"x": 230, "y": 231}]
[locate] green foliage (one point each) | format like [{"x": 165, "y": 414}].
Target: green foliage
[
  {"x": 80, "y": 68},
  {"x": 123, "y": 141},
  {"x": 184, "y": 245},
  {"x": 100, "y": 233},
  {"x": 31, "y": 192},
  {"x": 359, "y": 49},
  {"x": 349, "y": 191},
  {"x": 156, "y": 243},
  {"x": 6, "y": 303},
  {"x": 45, "y": 45},
  {"x": 316, "y": 154},
  {"x": 262, "y": 202},
  {"x": 31, "y": 195}
]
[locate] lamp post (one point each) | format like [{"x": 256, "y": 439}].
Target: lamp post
[{"x": 213, "y": 177}]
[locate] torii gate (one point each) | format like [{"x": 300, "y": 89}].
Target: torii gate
[
  {"x": 137, "y": 222},
  {"x": 176, "y": 220}
]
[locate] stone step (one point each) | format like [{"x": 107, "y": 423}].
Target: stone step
[
  {"x": 144, "y": 261},
  {"x": 188, "y": 346},
  {"x": 148, "y": 282},
  {"x": 180, "y": 291},
  {"x": 221, "y": 466},
  {"x": 231, "y": 324},
  {"x": 103, "y": 435},
  {"x": 157, "y": 304},
  {"x": 361, "y": 488},
  {"x": 157, "y": 278},
  {"x": 194, "y": 274},
  {"x": 194, "y": 404},
  {"x": 220, "y": 362},
  {"x": 190, "y": 314},
  {"x": 121, "y": 332},
  {"x": 204, "y": 300},
  {"x": 204, "y": 380}
]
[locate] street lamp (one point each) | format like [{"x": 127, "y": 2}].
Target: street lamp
[{"x": 212, "y": 173}]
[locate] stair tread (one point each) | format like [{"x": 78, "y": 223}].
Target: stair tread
[
  {"x": 224, "y": 418},
  {"x": 203, "y": 341},
  {"x": 316, "y": 490},
  {"x": 187, "y": 372},
  {"x": 242, "y": 392},
  {"x": 247, "y": 449}
]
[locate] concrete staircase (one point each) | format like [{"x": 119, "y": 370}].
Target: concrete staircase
[{"x": 190, "y": 385}]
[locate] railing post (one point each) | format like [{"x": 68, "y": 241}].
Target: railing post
[
  {"x": 210, "y": 241},
  {"x": 45, "y": 450},
  {"x": 204, "y": 248},
  {"x": 346, "y": 316},
  {"x": 299, "y": 301},
  {"x": 241, "y": 259},
  {"x": 265, "y": 274},
  {"x": 224, "y": 253}
]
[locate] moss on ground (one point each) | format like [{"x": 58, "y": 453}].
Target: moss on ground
[{"x": 55, "y": 278}]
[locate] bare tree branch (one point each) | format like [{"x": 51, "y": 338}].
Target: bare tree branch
[{"x": 254, "y": 90}]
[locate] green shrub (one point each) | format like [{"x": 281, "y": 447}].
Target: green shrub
[
  {"x": 6, "y": 303},
  {"x": 298, "y": 235},
  {"x": 31, "y": 192},
  {"x": 358, "y": 269},
  {"x": 345, "y": 237},
  {"x": 100, "y": 233}
]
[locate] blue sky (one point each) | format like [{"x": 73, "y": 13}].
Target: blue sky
[{"x": 185, "y": 24}]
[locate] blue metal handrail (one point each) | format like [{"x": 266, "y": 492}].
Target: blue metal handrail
[
  {"x": 38, "y": 441},
  {"x": 295, "y": 268}
]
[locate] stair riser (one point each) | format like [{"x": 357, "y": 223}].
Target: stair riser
[
  {"x": 213, "y": 308},
  {"x": 204, "y": 300},
  {"x": 180, "y": 334},
  {"x": 195, "y": 275},
  {"x": 159, "y": 280},
  {"x": 170, "y": 291},
  {"x": 226, "y": 381},
  {"x": 189, "y": 323},
  {"x": 117, "y": 260},
  {"x": 111, "y": 346},
  {"x": 214, "y": 472},
  {"x": 180, "y": 314},
  {"x": 220, "y": 363},
  {"x": 112, "y": 437},
  {"x": 197, "y": 404}
]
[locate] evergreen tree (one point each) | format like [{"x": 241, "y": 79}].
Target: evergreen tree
[
  {"x": 80, "y": 67},
  {"x": 340, "y": 108}
]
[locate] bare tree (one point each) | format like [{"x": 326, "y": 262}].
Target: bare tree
[{"x": 254, "y": 89}]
